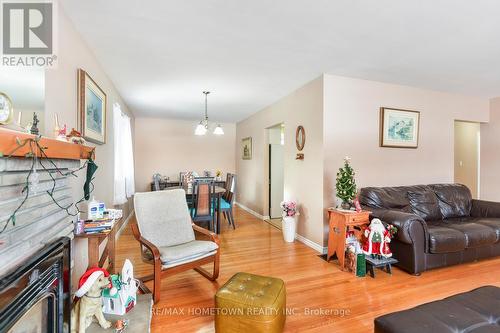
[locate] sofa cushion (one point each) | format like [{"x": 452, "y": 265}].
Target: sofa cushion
[
  {"x": 187, "y": 251},
  {"x": 458, "y": 234},
  {"x": 394, "y": 198},
  {"x": 425, "y": 204},
  {"x": 493, "y": 223},
  {"x": 455, "y": 200},
  {"x": 475, "y": 233},
  {"x": 443, "y": 239}
]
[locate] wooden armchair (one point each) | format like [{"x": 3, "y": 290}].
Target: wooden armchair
[{"x": 167, "y": 237}]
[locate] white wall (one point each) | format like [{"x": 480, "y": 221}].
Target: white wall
[
  {"x": 303, "y": 179},
  {"x": 168, "y": 146},
  {"x": 490, "y": 149},
  {"x": 61, "y": 98}
]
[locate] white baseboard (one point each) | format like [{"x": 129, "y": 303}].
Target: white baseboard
[
  {"x": 254, "y": 213},
  {"x": 315, "y": 246},
  {"x": 311, "y": 244}
]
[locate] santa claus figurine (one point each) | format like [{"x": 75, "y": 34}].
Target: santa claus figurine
[{"x": 377, "y": 240}]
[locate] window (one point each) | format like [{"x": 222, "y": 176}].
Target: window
[{"x": 124, "y": 186}]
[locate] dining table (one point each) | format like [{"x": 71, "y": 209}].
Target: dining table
[{"x": 218, "y": 192}]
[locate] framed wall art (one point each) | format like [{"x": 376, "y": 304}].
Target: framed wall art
[
  {"x": 91, "y": 109},
  {"x": 399, "y": 128},
  {"x": 246, "y": 148}
]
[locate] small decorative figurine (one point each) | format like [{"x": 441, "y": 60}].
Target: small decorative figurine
[
  {"x": 34, "y": 127},
  {"x": 378, "y": 239},
  {"x": 357, "y": 205},
  {"x": 75, "y": 137},
  {"x": 121, "y": 325},
  {"x": 61, "y": 134},
  {"x": 91, "y": 285}
]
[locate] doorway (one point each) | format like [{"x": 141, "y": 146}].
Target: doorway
[
  {"x": 467, "y": 155},
  {"x": 276, "y": 170}
]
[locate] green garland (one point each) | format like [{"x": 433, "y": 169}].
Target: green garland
[
  {"x": 34, "y": 145},
  {"x": 346, "y": 185}
]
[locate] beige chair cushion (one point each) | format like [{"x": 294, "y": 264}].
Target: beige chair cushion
[
  {"x": 163, "y": 217},
  {"x": 187, "y": 252}
]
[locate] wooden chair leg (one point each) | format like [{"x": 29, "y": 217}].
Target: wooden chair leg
[
  {"x": 216, "y": 266},
  {"x": 157, "y": 282},
  {"x": 231, "y": 216},
  {"x": 215, "y": 273}
]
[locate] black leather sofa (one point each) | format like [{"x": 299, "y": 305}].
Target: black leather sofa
[{"x": 438, "y": 225}]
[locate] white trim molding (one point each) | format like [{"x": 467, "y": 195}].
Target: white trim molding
[
  {"x": 254, "y": 213},
  {"x": 315, "y": 246},
  {"x": 311, "y": 244}
]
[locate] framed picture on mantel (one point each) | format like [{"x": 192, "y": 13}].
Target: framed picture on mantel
[
  {"x": 399, "y": 128},
  {"x": 91, "y": 109}
]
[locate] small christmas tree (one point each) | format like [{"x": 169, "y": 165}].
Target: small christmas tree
[{"x": 346, "y": 185}]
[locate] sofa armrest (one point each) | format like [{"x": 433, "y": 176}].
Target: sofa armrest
[
  {"x": 411, "y": 227},
  {"x": 482, "y": 208}
]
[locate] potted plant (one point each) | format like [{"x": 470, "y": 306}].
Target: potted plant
[
  {"x": 289, "y": 222},
  {"x": 346, "y": 185}
]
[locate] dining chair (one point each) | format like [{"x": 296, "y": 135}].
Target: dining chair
[
  {"x": 228, "y": 180},
  {"x": 181, "y": 178},
  {"x": 167, "y": 237},
  {"x": 203, "y": 203},
  {"x": 227, "y": 201},
  {"x": 156, "y": 180}
]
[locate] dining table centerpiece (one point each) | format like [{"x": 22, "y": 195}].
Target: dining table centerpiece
[{"x": 289, "y": 221}]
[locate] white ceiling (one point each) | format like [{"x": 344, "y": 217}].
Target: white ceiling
[{"x": 161, "y": 55}]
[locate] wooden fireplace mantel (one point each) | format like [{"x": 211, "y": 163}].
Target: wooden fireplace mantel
[{"x": 53, "y": 148}]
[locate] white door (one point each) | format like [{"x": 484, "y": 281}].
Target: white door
[
  {"x": 276, "y": 181},
  {"x": 467, "y": 155}
]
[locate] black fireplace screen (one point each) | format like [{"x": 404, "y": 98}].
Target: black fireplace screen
[{"x": 35, "y": 297}]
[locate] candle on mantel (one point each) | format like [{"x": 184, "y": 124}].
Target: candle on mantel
[{"x": 19, "y": 118}]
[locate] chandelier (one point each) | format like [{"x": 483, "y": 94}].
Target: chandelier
[{"x": 202, "y": 127}]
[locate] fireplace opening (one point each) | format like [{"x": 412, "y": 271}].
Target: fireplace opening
[
  {"x": 36, "y": 319},
  {"x": 35, "y": 297}
]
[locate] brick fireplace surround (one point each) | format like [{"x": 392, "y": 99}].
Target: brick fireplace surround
[{"x": 42, "y": 230}]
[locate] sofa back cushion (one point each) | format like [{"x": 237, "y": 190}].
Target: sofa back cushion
[
  {"x": 425, "y": 204},
  {"x": 455, "y": 200},
  {"x": 394, "y": 198}
]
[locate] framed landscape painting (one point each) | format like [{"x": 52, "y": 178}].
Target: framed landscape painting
[
  {"x": 91, "y": 109},
  {"x": 399, "y": 128},
  {"x": 246, "y": 148}
]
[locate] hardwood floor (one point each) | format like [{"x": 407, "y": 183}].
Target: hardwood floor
[{"x": 320, "y": 296}]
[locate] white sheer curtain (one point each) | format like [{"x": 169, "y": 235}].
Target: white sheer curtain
[{"x": 124, "y": 156}]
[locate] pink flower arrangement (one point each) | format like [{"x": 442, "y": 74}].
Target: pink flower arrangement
[{"x": 289, "y": 208}]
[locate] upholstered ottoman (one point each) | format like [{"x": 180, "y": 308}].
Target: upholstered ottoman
[
  {"x": 250, "y": 303},
  {"x": 476, "y": 311}
]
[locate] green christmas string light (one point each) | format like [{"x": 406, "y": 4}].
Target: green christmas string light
[{"x": 34, "y": 144}]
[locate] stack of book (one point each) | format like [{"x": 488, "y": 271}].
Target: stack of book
[{"x": 98, "y": 226}]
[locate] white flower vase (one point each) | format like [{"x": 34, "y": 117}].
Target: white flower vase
[{"x": 289, "y": 227}]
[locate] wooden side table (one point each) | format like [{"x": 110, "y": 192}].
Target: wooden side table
[
  {"x": 341, "y": 222},
  {"x": 94, "y": 240}
]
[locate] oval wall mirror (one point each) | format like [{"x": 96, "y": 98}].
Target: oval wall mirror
[{"x": 300, "y": 138}]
